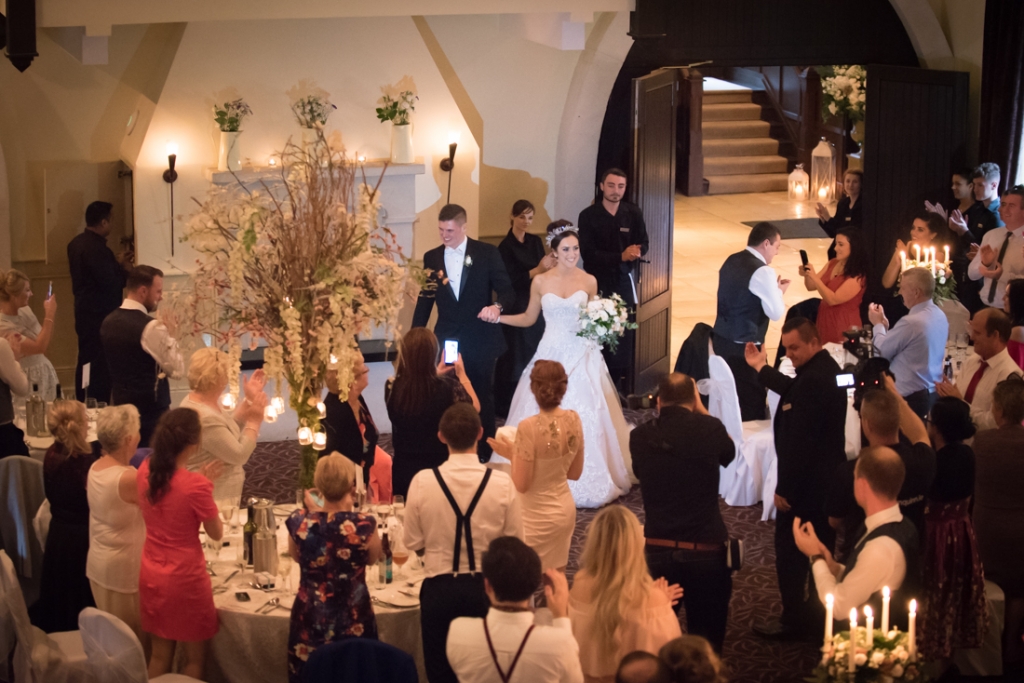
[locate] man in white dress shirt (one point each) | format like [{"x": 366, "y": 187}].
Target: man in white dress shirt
[
  {"x": 749, "y": 295},
  {"x": 989, "y": 365},
  {"x": 507, "y": 645},
  {"x": 886, "y": 553},
  {"x": 452, "y": 514},
  {"x": 141, "y": 351},
  {"x": 1001, "y": 257}
]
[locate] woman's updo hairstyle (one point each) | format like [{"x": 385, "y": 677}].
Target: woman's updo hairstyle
[
  {"x": 520, "y": 207},
  {"x": 548, "y": 383},
  {"x": 952, "y": 418},
  {"x": 558, "y": 231},
  {"x": 691, "y": 659},
  {"x": 12, "y": 283},
  {"x": 69, "y": 424}
]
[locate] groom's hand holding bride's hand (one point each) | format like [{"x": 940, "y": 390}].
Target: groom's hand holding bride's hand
[{"x": 489, "y": 314}]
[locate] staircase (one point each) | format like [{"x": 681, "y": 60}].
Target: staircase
[{"x": 739, "y": 153}]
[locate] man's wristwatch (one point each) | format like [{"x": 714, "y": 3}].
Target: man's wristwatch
[{"x": 498, "y": 306}]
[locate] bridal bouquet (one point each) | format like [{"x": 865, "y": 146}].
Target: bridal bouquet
[
  {"x": 605, "y": 320},
  {"x": 887, "y": 659}
]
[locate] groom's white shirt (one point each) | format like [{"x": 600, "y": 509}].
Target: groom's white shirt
[{"x": 454, "y": 260}]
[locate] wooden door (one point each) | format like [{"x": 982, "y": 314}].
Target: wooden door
[
  {"x": 655, "y": 98},
  {"x": 915, "y": 137}
]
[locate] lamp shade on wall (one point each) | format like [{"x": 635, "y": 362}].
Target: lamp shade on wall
[
  {"x": 799, "y": 184},
  {"x": 823, "y": 172},
  {"x": 20, "y": 33}
]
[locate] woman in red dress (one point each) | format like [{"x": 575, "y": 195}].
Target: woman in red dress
[
  {"x": 175, "y": 594},
  {"x": 841, "y": 285}
]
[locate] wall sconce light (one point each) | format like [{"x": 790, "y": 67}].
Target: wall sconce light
[
  {"x": 170, "y": 175},
  {"x": 448, "y": 164}
]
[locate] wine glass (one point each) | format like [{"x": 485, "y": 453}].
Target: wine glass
[
  {"x": 227, "y": 509},
  {"x": 399, "y": 555},
  {"x": 398, "y": 504},
  {"x": 240, "y": 555},
  {"x": 211, "y": 549},
  {"x": 961, "y": 345},
  {"x": 284, "y": 570}
]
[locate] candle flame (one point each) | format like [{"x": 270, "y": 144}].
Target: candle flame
[
  {"x": 829, "y": 599},
  {"x": 853, "y": 615},
  {"x": 913, "y": 607},
  {"x": 867, "y": 611},
  {"x": 885, "y": 591}
]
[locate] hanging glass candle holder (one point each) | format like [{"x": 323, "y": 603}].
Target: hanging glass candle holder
[
  {"x": 319, "y": 440},
  {"x": 277, "y": 403},
  {"x": 305, "y": 436}
]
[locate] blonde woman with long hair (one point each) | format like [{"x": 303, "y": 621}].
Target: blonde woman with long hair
[{"x": 615, "y": 606}]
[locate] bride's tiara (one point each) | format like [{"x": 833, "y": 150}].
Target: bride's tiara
[{"x": 558, "y": 231}]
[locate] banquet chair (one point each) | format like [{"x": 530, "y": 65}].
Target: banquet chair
[
  {"x": 742, "y": 482},
  {"x": 41, "y": 522},
  {"x": 21, "y": 484},
  {"x": 115, "y": 653},
  {"x": 38, "y": 657},
  {"x": 359, "y": 660}
]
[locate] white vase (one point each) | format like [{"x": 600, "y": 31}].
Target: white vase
[
  {"x": 401, "y": 144},
  {"x": 229, "y": 157},
  {"x": 309, "y": 136}
]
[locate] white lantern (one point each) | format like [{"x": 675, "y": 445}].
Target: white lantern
[
  {"x": 270, "y": 414},
  {"x": 321, "y": 408},
  {"x": 799, "y": 184},
  {"x": 823, "y": 173},
  {"x": 277, "y": 403},
  {"x": 227, "y": 402},
  {"x": 305, "y": 436},
  {"x": 319, "y": 440}
]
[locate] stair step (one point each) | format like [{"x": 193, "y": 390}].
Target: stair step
[
  {"x": 743, "y": 165},
  {"x": 739, "y": 147},
  {"x": 716, "y": 130},
  {"x": 727, "y": 96},
  {"x": 731, "y": 111},
  {"x": 735, "y": 184}
]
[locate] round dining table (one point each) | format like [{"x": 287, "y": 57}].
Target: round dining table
[{"x": 252, "y": 643}]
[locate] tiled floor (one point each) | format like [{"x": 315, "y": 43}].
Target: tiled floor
[{"x": 707, "y": 231}]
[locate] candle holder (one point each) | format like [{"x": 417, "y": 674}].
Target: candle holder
[
  {"x": 799, "y": 184},
  {"x": 865, "y": 654},
  {"x": 270, "y": 414},
  {"x": 321, "y": 408},
  {"x": 277, "y": 403},
  {"x": 305, "y": 435},
  {"x": 227, "y": 402},
  {"x": 319, "y": 440}
]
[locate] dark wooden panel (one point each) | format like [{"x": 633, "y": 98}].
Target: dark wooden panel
[{"x": 652, "y": 363}]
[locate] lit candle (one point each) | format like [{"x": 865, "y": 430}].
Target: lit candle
[
  {"x": 912, "y": 630},
  {"x": 227, "y": 402},
  {"x": 322, "y": 409},
  {"x": 829, "y": 602},
  {"x": 272, "y": 162},
  {"x": 798, "y": 190},
  {"x": 270, "y": 414},
  {"x": 903, "y": 261},
  {"x": 305, "y": 436},
  {"x": 852, "y": 650},
  {"x": 917, "y": 253},
  {"x": 869, "y": 625},
  {"x": 947, "y": 255},
  {"x": 277, "y": 403},
  {"x": 822, "y": 192},
  {"x": 334, "y": 360},
  {"x": 885, "y": 611},
  {"x": 320, "y": 441}
]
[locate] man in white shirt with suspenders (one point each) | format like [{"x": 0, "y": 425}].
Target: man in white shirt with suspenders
[{"x": 452, "y": 514}]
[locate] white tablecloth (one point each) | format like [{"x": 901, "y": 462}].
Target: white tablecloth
[{"x": 253, "y": 648}]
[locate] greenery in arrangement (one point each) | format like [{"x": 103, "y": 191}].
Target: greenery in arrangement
[
  {"x": 312, "y": 110},
  {"x": 843, "y": 90},
  {"x": 605, "y": 320},
  {"x": 886, "y": 659},
  {"x": 300, "y": 263},
  {"x": 229, "y": 116},
  {"x": 397, "y": 109}
]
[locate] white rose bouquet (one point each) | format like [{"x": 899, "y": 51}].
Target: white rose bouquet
[
  {"x": 886, "y": 660},
  {"x": 843, "y": 90},
  {"x": 605, "y": 320}
]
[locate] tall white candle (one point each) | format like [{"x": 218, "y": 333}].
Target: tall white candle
[
  {"x": 947, "y": 255},
  {"x": 917, "y": 253},
  {"x": 852, "y": 651},
  {"x": 829, "y": 603},
  {"x": 885, "y": 611},
  {"x": 869, "y": 625},
  {"x": 912, "y": 630},
  {"x": 903, "y": 261}
]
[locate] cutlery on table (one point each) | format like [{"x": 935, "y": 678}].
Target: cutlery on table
[
  {"x": 230, "y": 576},
  {"x": 269, "y": 605}
]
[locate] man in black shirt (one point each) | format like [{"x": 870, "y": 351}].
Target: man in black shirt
[
  {"x": 810, "y": 426},
  {"x": 97, "y": 282},
  {"x": 613, "y": 236},
  {"x": 677, "y": 457},
  {"x": 883, "y": 415},
  {"x": 980, "y": 218}
]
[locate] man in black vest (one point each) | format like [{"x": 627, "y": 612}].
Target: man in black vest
[
  {"x": 141, "y": 351},
  {"x": 749, "y": 295},
  {"x": 810, "y": 441},
  {"x": 452, "y": 514},
  {"x": 466, "y": 274},
  {"x": 613, "y": 237},
  {"x": 886, "y": 553}
]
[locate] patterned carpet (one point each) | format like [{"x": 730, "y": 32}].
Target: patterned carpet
[{"x": 272, "y": 473}]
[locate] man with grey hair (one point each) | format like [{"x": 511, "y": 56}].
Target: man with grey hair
[{"x": 916, "y": 345}]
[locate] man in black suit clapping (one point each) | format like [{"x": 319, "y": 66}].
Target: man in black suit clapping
[
  {"x": 466, "y": 274},
  {"x": 613, "y": 236}
]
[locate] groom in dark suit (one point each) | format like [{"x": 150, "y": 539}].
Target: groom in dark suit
[{"x": 466, "y": 274}]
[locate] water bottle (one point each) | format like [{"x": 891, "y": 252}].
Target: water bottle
[{"x": 35, "y": 414}]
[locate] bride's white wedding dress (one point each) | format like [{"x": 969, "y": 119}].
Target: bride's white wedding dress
[{"x": 590, "y": 392}]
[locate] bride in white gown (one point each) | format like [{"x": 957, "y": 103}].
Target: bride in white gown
[{"x": 560, "y": 293}]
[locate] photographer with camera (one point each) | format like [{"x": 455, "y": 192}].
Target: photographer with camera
[
  {"x": 810, "y": 440},
  {"x": 916, "y": 345}
]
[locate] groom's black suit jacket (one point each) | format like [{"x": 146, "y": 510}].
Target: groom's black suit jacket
[{"x": 457, "y": 318}]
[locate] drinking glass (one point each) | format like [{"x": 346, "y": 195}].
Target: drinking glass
[
  {"x": 962, "y": 340},
  {"x": 211, "y": 549},
  {"x": 382, "y": 510},
  {"x": 399, "y": 555},
  {"x": 398, "y": 504},
  {"x": 284, "y": 570},
  {"x": 90, "y": 409},
  {"x": 240, "y": 555},
  {"x": 227, "y": 509}
]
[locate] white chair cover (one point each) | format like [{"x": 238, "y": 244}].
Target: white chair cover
[
  {"x": 41, "y": 522},
  {"x": 21, "y": 484},
  {"x": 38, "y": 657},
  {"x": 958, "y": 316},
  {"x": 115, "y": 653}
]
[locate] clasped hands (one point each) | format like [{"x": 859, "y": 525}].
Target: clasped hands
[
  {"x": 631, "y": 253},
  {"x": 807, "y": 541},
  {"x": 990, "y": 265},
  {"x": 489, "y": 314},
  {"x": 877, "y": 316}
]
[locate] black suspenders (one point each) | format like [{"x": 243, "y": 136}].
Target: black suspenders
[{"x": 462, "y": 520}]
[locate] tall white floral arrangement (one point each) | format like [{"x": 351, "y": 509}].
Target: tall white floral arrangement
[
  {"x": 843, "y": 90},
  {"x": 300, "y": 263}
]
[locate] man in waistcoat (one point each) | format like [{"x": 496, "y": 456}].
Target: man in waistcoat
[
  {"x": 749, "y": 295},
  {"x": 141, "y": 351},
  {"x": 886, "y": 553},
  {"x": 452, "y": 514}
]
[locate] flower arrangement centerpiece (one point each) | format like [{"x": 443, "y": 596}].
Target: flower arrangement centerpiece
[
  {"x": 945, "y": 282},
  {"x": 302, "y": 264},
  {"x": 396, "y": 109},
  {"x": 605, "y": 320},
  {"x": 843, "y": 91},
  {"x": 313, "y": 110},
  {"x": 229, "y": 116}
]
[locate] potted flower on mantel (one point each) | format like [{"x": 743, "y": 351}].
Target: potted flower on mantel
[
  {"x": 229, "y": 117},
  {"x": 397, "y": 110},
  {"x": 312, "y": 111}
]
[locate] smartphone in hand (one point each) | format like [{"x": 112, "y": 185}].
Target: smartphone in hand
[
  {"x": 451, "y": 351},
  {"x": 803, "y": 257}
]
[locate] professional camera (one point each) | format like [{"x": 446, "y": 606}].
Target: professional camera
[
  {"x": 868, "y": 374},
  {"x": 859, "y": 342}
]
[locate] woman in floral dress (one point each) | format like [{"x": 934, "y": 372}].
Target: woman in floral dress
[{"x": 333, "y": 546}]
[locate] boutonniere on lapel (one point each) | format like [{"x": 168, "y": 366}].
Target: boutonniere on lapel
[{"x": 469, "y": 261}]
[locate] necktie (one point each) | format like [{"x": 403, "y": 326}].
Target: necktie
[
  {"x": 995, "y": 280},
  {"x": 973, "y": 386}
]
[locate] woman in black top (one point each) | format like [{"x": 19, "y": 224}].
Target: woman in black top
[
  {"x": 64, "y": 590},
  {"x": 848, "y": 211},
  {"x": 416, "y": 398},
  {"x": 523, "y": 254},
  {"x": 954, "y": 610},
  {"x": 349, "y": 425}
]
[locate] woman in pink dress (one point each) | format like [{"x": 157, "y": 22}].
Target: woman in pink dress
[
  {"x": 175, "y": 594},
  {"x": 841, "y": 285},
  {"x": 1013, "y": 304}
]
